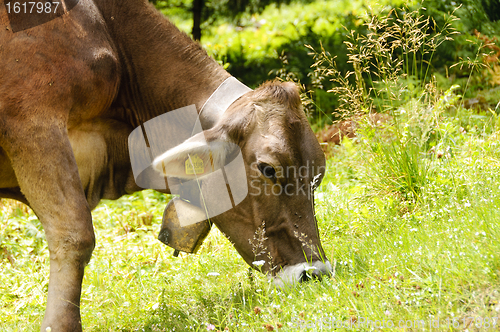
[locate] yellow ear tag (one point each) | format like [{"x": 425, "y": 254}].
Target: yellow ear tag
[{"x": 194, "y": 165}]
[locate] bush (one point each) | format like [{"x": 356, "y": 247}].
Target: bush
[{"x": 254, "y": 51}]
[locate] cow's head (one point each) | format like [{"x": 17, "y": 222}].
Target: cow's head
[{"x": 282, "y": 162}]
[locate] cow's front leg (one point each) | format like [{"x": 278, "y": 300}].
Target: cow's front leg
[{"x": 47, "y": 174}]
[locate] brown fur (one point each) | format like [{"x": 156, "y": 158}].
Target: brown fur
[{"x": 73, "y": 89}]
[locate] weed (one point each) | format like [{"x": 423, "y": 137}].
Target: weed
[
  {"x": 391, "y": 62},
  {"x": 259, "y": 238}
]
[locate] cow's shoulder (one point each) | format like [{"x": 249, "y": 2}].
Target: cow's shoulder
[{"x": 68, "y": 64}]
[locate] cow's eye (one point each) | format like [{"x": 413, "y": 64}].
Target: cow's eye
[{"x": 267, "y": 170}]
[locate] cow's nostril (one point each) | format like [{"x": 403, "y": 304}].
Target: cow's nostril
[
  {"x": 310, "y": 274},
  {"x": 304, "y": 277}
]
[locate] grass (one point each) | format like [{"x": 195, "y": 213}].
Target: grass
[{"x": 397, "y": 259}]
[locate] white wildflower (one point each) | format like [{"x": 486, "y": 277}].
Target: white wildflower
[{"x": 258, "y": 263}]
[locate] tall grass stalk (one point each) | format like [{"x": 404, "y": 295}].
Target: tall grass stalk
[
  {"x": 391, "y": 73},
  {"x": 390, "y": 61}
]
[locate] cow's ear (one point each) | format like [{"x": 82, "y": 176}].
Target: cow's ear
[{"x": 196, "y": 157}]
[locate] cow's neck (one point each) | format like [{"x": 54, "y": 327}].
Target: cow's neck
[{"x": 162, "y": 68}]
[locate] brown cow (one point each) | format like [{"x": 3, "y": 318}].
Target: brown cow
[{"x": 74, "y": 88}]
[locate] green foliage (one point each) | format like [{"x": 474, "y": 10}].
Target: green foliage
[
  {"x": 236, "y": 8},
  {"x": 479, "y": 15},
  {"x": 389, "y": 63},
  {"x": 253, "y": 49},
  {"x": 219, "y": 10},
  {"x": 205, "y": 13},
  {"x": 492, "y": 9},
  {"x": 273, "y": 44}
]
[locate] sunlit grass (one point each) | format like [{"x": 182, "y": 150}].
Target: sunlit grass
[{"x": 438, "y": 259}]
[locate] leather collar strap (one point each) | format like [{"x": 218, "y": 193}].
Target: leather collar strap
[{"x": 226, "y": 94}]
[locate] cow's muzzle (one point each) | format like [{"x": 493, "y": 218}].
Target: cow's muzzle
[{"x": 293, "y": 274}]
